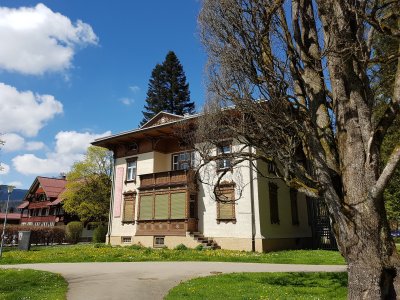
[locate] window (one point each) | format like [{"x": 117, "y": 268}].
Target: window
[
  {"x": 163, "y": 206},
  {"x": 273, "y": 203},
  {"x": 178, "y": 205},
  {"x": 223, "y": 151},
  {"x": 131, "y": 169},
  {"x": 146, "y": 207},
  {"x": 129, "y": 207},
  {"x": 159, "y": 241},
  {"x": 126, "y": 239},
  {"x": 226, "y": 203},
  {"x": 183, "y": 161},
  {"x": 271, "y": 168},
  {"x": 293, "y": 206}
]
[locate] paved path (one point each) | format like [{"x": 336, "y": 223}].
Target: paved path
[{"x": 148, "y": 280}]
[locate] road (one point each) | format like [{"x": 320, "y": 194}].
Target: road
[{"x": 149, "y": 280}]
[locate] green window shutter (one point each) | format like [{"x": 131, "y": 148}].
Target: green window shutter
[
  {"x": 146, "y": 207},
  {"x": 178, "y": 205},
  {"x": 129, "y": 210},
  {"x": 161, "y": 207}
]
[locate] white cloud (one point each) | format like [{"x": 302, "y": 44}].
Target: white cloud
[
  {"x": 127, "y": 101},
  {"x": 35, "y": 40},
  {"x": 4, "y": 169},
  {"x": 134, "y": 88},
  {"x": 12, "y": 142},
  {"x": 25, "y": 112},
  {"x": 70, "y": 147}
]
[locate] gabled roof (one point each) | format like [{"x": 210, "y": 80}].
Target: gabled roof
[
  {"x": 52, "y": 187},
  {"x": 161, "y": 118}
]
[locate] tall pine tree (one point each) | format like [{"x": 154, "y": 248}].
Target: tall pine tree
[{"x": 168, "y": 90}]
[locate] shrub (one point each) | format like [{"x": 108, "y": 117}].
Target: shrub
[
  {"x": 99, "y": 234},
  {"x": 135, "y": 247},
  {"x": 199, "y": 247},
  {"x": 181, "y": 247},
  {"x": 74, "y": 231}
]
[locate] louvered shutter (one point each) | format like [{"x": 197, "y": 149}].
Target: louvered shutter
[
  {"x": 146, "y": 207},
  {"x": 226, "y": 208},
  {"x": 178, "y": 205},
  {"x": 129, "y": 209},
  {"x": 161, "y": 207}
]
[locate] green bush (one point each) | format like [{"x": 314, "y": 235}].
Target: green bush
[
  {"x": 99, "y": 234},
  {"x": 135, "y": 247},
  {"x": 181, "y": 247},
  {"x": 199, "y": 247},
  {"x": 74, "y": 231}
]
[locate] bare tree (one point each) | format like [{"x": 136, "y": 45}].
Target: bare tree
[{"x": 297, "y": 74}]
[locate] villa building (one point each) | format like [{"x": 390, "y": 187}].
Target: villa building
[{"x": 159, "y": 200}]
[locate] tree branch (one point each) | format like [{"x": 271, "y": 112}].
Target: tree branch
[{"x": 387, "y": 173}]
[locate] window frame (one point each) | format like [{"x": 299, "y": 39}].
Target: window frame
[
  {"x": 159, "y": 245},
  {"x": 128, "y": 169},
  {"x": 273, "y": 203},
  {"x": 226, "y": 188},
  {"x": 294, "y": 208},
  {"x": 227, "y": 162},
  {"x": 129, "y": 196},
  {"x": 190, "y": 161}
]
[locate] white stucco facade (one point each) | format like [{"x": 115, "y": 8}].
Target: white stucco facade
[{"x": 251, "y": 228}]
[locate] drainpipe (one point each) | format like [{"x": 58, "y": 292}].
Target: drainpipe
[
  {"x": 253, "y": 221},
  {"x": 110, "y": 214}
]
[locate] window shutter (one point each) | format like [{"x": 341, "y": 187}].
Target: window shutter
[
  {"x": 161, "y": 207},
  {"x": 273, "y": 203},
  {"x": 178, "y": 205},
  {"x": 129, "y": 208},
  {"x": 146, "y": 207},
  {"x": 293, "y": 206},
  {"x": 226, "y": 204},
  {"x": 226, "y": 210}
]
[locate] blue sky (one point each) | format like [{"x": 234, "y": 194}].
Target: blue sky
[{"x": 71, "y": 71}]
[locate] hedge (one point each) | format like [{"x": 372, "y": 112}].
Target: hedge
[{"x": 39, "y": 234}]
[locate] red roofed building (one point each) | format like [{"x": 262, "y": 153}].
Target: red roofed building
[{"x": 42, "y": 205}]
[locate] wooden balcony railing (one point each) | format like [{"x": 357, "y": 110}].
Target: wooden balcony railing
[{"x": 168, "y": 179}]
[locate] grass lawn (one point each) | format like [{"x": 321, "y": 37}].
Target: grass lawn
[
  {"x": 31, "y": 284},
  {"x": 103, "y": 253},
  {"x": 263, "y": 286}
]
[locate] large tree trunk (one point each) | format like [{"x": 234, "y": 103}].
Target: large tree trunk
[{"x": 360, "y": 226}]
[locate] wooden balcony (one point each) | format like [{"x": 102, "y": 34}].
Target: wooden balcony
[{"x": 169, "y": 179}]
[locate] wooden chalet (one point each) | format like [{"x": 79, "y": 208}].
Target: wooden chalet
[{"x": 42, "y": 205}]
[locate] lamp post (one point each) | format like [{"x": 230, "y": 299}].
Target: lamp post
[{"x": 10, "y": 188}]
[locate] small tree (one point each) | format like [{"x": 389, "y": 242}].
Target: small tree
[
  {"x": 99, "y": 234},
  {"x": 88, "y": 188},
  {"x": 168, "y": 90},
  {"x": 73, "y": 231}
]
